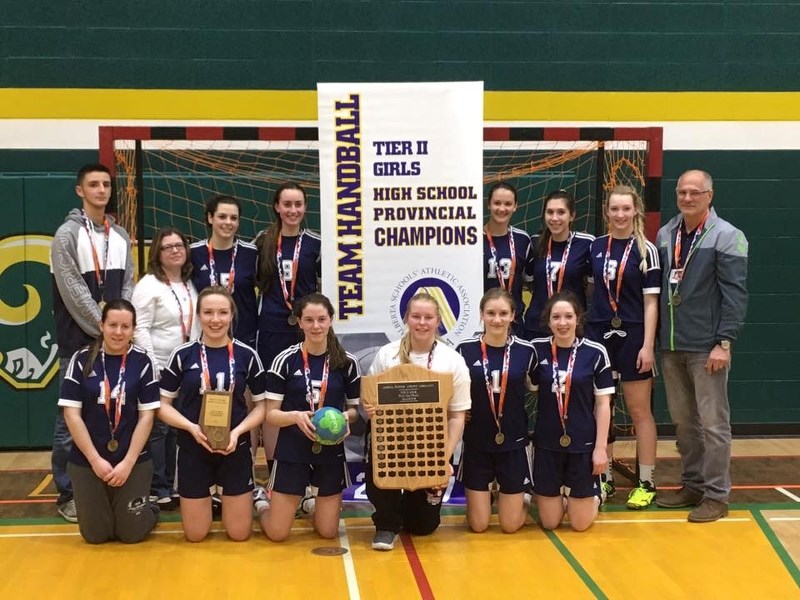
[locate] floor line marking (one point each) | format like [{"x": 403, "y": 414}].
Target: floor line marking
[
  {"x": 424, "y": 586},
  {"x": 349, "y": 565},
  {"x": 777, "y": 546},
  {"x": 42, "y": 485},
  {"x": 783, "y": 519},
  {"x": 789, "y": 494},
  {"x": 628, "y": 521}
]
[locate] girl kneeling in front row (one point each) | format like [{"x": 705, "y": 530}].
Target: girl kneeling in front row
[
  {"x": 302, "y": 379},
  {"x": 217, "y": 362},
  {"x": 110, "y": 395},
  {"x": 496, "y": 437},
  {"x": 575, "y": 384}
]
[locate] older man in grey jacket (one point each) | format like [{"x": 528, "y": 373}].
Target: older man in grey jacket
[{"x": 703, "y": 306}]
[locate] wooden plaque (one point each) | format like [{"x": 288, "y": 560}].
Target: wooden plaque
[
  {"x": 409, "y": 428},
  {"x": 215, "y": 418}
]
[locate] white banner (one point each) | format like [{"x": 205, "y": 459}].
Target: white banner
[{"x": 401, "y": 185}]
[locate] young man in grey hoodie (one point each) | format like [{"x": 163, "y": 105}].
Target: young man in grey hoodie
[
  {"x": 703, "y": 306},
  {"x": 90, "y": 264}
]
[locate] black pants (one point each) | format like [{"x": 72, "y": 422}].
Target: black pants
[{"x": 401, "y": 510}]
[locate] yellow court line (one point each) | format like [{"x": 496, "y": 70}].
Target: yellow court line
[
  {"x": 37, "y": 492},
  {"x": 301, "y": 105}
]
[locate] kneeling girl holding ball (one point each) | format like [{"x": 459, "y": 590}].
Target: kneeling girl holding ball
[{"x": 305, "y": 382}]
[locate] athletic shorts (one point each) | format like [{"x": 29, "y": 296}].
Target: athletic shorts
[
  {"x": 554, "y": 469},
  {"x": 293, "y": 478},
  {"x": 199, "y": 469},
  {"x": 511, "y": 469},
  {"x": 273, "y": 343},
  {"x": 622, "y": 349}
]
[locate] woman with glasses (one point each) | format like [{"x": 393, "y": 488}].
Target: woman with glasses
[{"x": 165, "y": 301}]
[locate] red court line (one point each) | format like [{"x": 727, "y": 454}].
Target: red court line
[{"x": 425, "y": 591}]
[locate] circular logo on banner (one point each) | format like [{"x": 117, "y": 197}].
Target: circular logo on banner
[{"x": 448, "y": 292}]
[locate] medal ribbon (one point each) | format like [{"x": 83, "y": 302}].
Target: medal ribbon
[
  {"x": 100, "y": 275},
  {"x": 562, "y": 268},
  {"x": 113, "y": 423},
  {"x": 497, "y": 412},
  {"x": 563, "y": 399},
  {"x": 205, "y": 379},
  {"x": 186, "y": 324},
  {"x": 288, "y": 295},
  {"x": 614, "y": 302},
  {"x": 497, "y": 269},
  {"x": 212, "y": 272},
  {"x": 309, "y": 387},
  {"x": 430, "y": 355},
  {"x": 698, "y": 236}
]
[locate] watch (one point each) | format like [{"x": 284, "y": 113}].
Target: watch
[{"x": 725, "y": 345}]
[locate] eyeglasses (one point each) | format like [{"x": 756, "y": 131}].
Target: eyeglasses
[
  {"x": 691, "y": 193},
  {"x": 172, "y": 247}
]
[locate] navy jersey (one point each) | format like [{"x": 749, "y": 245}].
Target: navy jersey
[
  {"x": 502, "y": 246},
  {"x": 634, "y": 283},
  {"x": 481, "y": 429},
  {"x": 286, "y": 383},
  {"x": 273, "y": 312},
  {"x": 591, "y": 376},
  {"x": 141, "y": 393},
  {"x": 577, "y": 269},
  {"x": 182, "y": 376},
  {"x": 244, "y": 284}
]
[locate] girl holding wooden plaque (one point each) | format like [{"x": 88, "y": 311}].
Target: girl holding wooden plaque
[{"x": 210, "y": 377}]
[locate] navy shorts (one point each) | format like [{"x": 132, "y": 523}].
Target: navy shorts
[
  {"x": 622, "y": 350},
  {"x": 292, "y": 478},
  {"x": 271, "y": 344},
  {"x": 554, "y": 469},
  {"x": 199, "y": 469},
  {"x": 511, "y": 469}
]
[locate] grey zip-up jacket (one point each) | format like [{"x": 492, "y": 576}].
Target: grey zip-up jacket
[{"x": 713, "y": 290}]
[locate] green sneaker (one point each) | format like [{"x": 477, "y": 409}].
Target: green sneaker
[
  {"x": 609, "y": 489},
  {"x": 642, "y": 496}
]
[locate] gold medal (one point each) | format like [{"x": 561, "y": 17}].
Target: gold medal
[
  {"x": 565, "y": 440},
  {"x": 499, "y": 438},
  {"x": 616, "y": 322},
  {"x": 101, "y": 305},
  {"x": 316, "y": 447},
  {"x": 112, "y": 445},
  {"x": 292, "y": 319},
  {"x": 676, "y": 299}
]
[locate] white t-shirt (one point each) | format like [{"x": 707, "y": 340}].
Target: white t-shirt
[{"x": 445, "y": 360}]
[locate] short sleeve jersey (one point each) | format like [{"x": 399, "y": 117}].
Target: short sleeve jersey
[
  {"x": 501, "y": 262},
  {"x": 86, "y": 393},
  {"x": 480, "y": 431},
  {"x": 286, "y": 383},
  {"x": 182, "y": 379},
  {"x": 244, "y": 284},
  {"x": 273, "y": 312},
  {"x": 635, "y": 283},
  {"x": 591, "y": 376},
  {"x": 575, "y": 272}
]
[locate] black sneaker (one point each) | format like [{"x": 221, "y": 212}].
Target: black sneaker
[{"x": 384, "y": 540}]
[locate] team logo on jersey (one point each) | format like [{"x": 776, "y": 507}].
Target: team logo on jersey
[
  {"x": 448, "y": 291},
  {"x": 28, "y": 351}
]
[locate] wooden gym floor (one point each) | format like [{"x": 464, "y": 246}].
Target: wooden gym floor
[{"x": 754, "y": 553}]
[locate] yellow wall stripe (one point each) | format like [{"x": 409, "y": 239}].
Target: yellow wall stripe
[{"x": 300, "y": 105}]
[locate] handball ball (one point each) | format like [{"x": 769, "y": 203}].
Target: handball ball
[{"x": 331, "y": 426}]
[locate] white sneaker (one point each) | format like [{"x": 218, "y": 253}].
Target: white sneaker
[
  {"x": 260, "y": 500},
  {"x": 306, "y": 508}
]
